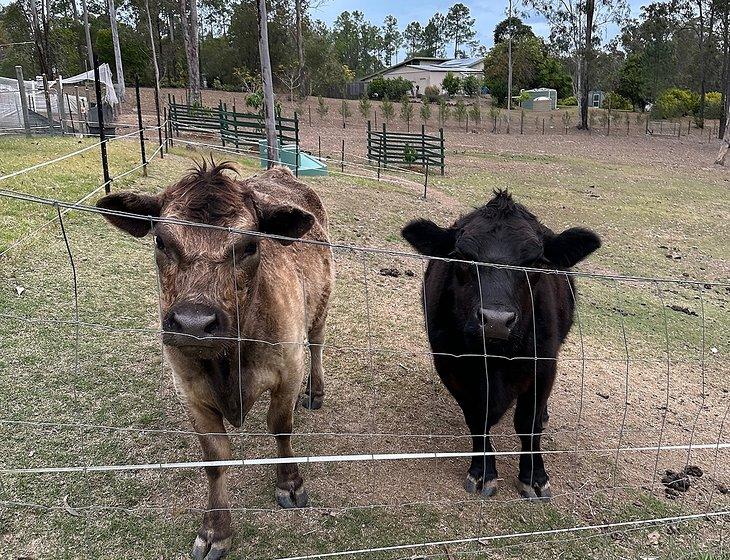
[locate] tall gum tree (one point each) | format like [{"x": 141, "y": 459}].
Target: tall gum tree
[{"x": 575, "y": 30}]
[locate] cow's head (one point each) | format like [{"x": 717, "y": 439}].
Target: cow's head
[
  {"x": 492, "y": 300},
  {"x": 208, "y": 275}
]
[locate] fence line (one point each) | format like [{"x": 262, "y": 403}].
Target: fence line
[
  {"x": 487, "y": 538},
  {"x": 359, "y": 457},
  {"x": 350, "y": 247},
  {"x": 72, "y": 154},
  {"x": 76, "y": 204},
  {"x": 373, "y": 458}
]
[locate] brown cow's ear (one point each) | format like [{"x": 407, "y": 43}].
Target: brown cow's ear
[
  {"x": 287, "y": 221},
  {"x": 131, "y": 203},
  {"x": 571, "y": 246}
]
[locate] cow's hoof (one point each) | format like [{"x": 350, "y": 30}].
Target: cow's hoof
[
  {"x": 292, "y": 498},
  {"x": 472, "y": 484},
  {"x": 205, "y": 550},
  {"x": 536, "y": 493},
  {"x": 489, "y": 488},
  {"x": 311, "y": 402}
]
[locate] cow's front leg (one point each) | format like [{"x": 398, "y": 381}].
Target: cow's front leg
[
  {"x": 215, "y": 534},
  {"x": 529, "y": 413},
  {"x": 290, "y": 491}
]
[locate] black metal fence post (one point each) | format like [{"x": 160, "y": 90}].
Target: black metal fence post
[
  {"x": 522, "y": 120},
  {"x": 342, "y": 157},
  {"x": 319, "y": 146},
  {"x": 141, "y": 127},
  {"x": 167, "y": 137},
  {"x": 443, "y": 161},
  {"x": 425, "y": 183},
  {"x": 100, "y": 122}
]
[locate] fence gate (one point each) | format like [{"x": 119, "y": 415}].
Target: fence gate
[
  {"x": 192, "y": 118},
  {"x": 407, "y": 148}
]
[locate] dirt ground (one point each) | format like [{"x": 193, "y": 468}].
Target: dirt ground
[{"x": 643, "y": 367}]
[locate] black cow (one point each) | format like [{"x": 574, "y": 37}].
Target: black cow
[{"x": 485, "y": 331}]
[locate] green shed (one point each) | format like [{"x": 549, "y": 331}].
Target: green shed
[{"x": 531, "y": 105}]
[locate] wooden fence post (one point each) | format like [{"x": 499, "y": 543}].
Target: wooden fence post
[
  {"x": 61, "y": 106},
  {"x": 23, "y": 99}
]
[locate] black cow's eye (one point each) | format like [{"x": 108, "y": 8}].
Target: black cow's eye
[
  {"x": 249, "y": 249},
  {"x": 159, "y": 243}
]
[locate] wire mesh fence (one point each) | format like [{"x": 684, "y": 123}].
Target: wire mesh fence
[{"x": 96, "y": 443}]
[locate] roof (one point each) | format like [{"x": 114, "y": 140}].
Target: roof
[
  {"x": 410, "y": 61},
  {"x": 437, "y": 65},
  {"x": 461, "y": 62}
]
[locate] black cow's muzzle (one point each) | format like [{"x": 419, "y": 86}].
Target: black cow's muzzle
[
  {"x": 193, "y": 325},
  {"x": 497, "y": 323}
]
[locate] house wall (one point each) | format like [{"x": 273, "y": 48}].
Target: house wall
[{"x": 425, "y": 78}]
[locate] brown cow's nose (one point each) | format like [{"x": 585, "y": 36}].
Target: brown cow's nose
[
  {"x": 497, "y": 323},
  {"x": 188, "y": 323}
]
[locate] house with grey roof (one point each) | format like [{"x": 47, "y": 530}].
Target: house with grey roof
[{"x": 424, "y": 71}]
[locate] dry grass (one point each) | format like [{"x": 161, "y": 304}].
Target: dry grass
[{"x": 629, "y": 193}]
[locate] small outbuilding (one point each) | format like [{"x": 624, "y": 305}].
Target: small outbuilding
[
  {"x": 595, "y": 99},
  {"x": 540, "y": 99}
]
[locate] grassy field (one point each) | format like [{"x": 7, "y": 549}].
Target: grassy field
[{"x": 641, "y": 367}]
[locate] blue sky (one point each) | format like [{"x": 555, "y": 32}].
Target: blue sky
[{"x": 486, "y": 12}]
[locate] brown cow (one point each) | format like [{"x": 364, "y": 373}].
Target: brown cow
[{"x": 238, "y": 311}]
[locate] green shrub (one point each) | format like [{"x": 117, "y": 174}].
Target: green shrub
[
  {"x": 432, "y": 93},
  {"x": 409, "y": 154},
  {"x": 451, "y": 83},
  {"x": 460, "y": 111},
  {"x": 616, "y": 101},
  {"x": 406, "y": 111},
  {"x": 475, "y": 112},
  {"x": 444, "y": 111},
  {"x": 364, "y": 107},
  {"x": 471, "y": 85},
  {"x": 568, "y": 101},
  {"x": 255, "y": 100},
  {"x": 392, "y": 88},
  {"x": 713, "y": 105},
  {"x": 322, "y": 108},
  {"x": 425, "y": 110},
  {"x": 388, "y": 109},
  {"x": 673, "y": 103}
]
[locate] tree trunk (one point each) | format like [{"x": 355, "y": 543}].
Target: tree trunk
[
  {"x": 725, "y": 145},
  {"x": 269, "y": 108},
  {"x": 117, "y": 50},
  {"x": 300, "y": 46},
  {"x": 89, "y": 48},
  {"x": 38, "y": 38},
  {"x": 154, "y": 49},
  {"x": 75, "y": 10},
  {"x": 725, "y": 68},
  {"x": 586, "y": 64},
  {"x": 190, "y": 37}
]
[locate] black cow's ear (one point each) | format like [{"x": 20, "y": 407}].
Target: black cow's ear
[
  {"x": 571, "y": 246},
  {"x": 429, "y": 239},
  {"x": 131, "y": 203},
  {"x": 284, "y": 220}
]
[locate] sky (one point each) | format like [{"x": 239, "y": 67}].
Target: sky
[{"x": 486, "y": 12}]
